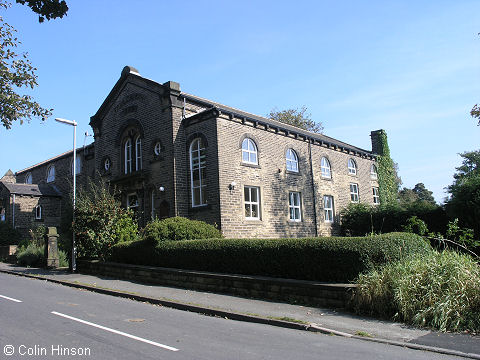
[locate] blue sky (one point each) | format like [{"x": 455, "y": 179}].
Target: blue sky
[{"x": 409, "y": 67}]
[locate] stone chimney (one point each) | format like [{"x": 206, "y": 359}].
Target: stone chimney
[{"x": 379, "y": 142}]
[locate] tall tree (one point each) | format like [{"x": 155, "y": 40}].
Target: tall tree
[
  {"x": 464, "y": 202},
  {"x": 16, "y": 70},
  {"x": 296, "y": 117},
  {"x": 475, "y": 112}
]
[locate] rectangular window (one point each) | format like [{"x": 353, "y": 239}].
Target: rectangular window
[
  {"x": 252, "y": 202},
  {"x": 294, "y": 206},
  {"x": 132, "y": 203},
  {"x": 328, "y": 212},
  {"x": 376, "y": 197},
  {"x": 354, "y": 192}
]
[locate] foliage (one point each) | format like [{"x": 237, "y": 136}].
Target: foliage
[
  {"x": 320, "y": 259},
  {"x": 31, "y": 255},
  {"x": 388, "y": 180},
  {"x": 475, "y": 113},
  {"x": 100, "y": 222},
  {"x": 296, "y": 117},
  {"x": 418, "y": 194},
  {"x": 46, "y": 9},
  {"x": 360, "y": 219},
  {"x": 37, "y": 235},
  {"x": 16, "y": 70},
  {"x": 9, "y": 235},
  {"x": 464, "y": 202},
  {"x": 179, "y": 228},
  {"x": 416, "y": 226},
  {"x": 463, "y": 236},
  {"x": 438, "y": 290}
]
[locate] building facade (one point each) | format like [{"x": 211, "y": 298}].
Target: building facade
[{"x": 170, "y": 153}]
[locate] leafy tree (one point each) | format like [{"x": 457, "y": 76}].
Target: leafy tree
[
  {"x": 296, "y": 117},
  {"x": 475, "y": 112},
  {"x": 464, "y": 202},
  {"x": 16, "y": 70},
  {"x": 418, "y": 194}
]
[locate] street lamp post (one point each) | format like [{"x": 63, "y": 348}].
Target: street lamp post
[{"x": 74, "y": 124}]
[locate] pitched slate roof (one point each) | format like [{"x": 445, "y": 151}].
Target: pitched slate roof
[{"x": 32, "y": 189}]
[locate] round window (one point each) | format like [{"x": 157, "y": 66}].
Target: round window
[
  {"x": 106, "y": 164},
  {"x": 157, "y": 149}
]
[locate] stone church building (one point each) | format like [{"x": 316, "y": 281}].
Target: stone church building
[{"x": 170, "y": 153}]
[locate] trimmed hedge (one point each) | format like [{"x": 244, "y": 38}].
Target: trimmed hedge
[
  {"x": 179, "y": 228},
  {"x": 320, "y": 259}
]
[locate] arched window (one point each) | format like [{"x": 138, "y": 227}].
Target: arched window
[
  {"x": 352, "y": 167},
  {"x": 292, "y": 160},
  {"x": 51, "y": 173},
  {"x": 198, "y": 166},
  {"x": 38, "y": 212},
  {"x": 373, "y": 172},
  {"x": 127, "y": 148},
  {"x": 78, "y": 167},
  {"x": 138, "y": 153},
  {"x": 325, "y": 167},
  {"x": 29, "y": 178},
  {"x": 249, "y": 152}
]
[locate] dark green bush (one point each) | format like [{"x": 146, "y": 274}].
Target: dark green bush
[
  {"x": 179, "y": 228},
  {"x": 360, "y": 219},
  {"x": 438, "y": 290},
  {"x": 8, "y": 235},
  {"x": 321, "y": 259},
  {"x": 31, "y": 255}
]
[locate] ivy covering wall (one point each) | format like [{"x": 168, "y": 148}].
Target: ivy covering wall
[{"x": 388, "y": 186}]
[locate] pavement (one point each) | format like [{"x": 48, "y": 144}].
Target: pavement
[{"x": 334, "y": 322}]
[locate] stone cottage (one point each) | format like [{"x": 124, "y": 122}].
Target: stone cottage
[{"x": 170, "y": 153}]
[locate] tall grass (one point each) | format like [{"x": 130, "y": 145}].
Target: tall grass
[{"x": 440, "y": 290}]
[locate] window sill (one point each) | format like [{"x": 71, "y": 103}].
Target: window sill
[
  {"x": 327, "y": 178},
  {"x": 255, "y": 166},
  {"x": 194, "y": 209},
  {"x": 294, "y": 173}
]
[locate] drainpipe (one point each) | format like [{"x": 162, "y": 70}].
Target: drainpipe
[
  {"x": 13, "y": 211},
  {"x": 313, "y": 187}
]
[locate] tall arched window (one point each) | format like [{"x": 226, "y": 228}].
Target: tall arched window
[
  {"x": 29, "y": 178},
  {"x": 128, "y": 155},
  {"x": 352, "y": 167},
  {"x": 138, "y": 153},
  {"x": 198, "y": 166},
  {"x": 326, "y": 169},
  {"x": 373, "y": 172},
  {"x": 249, "y": 152},
  {"x": 292, "y": 160},
  {"x": 51, "y": 173}
]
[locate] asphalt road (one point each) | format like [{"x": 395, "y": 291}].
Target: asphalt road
[{"x": 42, "y": 320}]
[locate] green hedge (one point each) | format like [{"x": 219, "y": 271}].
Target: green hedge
[
  {"x": 321, "y": 259},
  {"x": 179, "y": 228}
]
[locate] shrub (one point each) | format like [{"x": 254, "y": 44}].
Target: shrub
[
  {"x": 31, "y": 255},
  {"x": 416, "y": 226},
  {"x": 438, "y": 290},
  {"x": 320, "y": 259},
  {"x": 8, "y": 235},
  {"x": 179, "y": 228},
  {"x": 100, "y": 222}
]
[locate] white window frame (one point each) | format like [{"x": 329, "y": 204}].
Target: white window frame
[
  {"x": 106, "y": 164},
  {"x": 51, "y": 174},
  {"x": 328, "y": 209},
  {"x": 127, "y": 149},
  {"x": 326, "y": 168},
  {"x": 352, "y": 167},
  {"x": 249, "y": 152},
  {"x": 29, "y": 178},
  {"x": 138, "y": 153},
  {"x": 251, "y": 204},
  {"x": 38, "y": 212},
  {"x": 198, "y": 164},
  {"x": 134, "y": 206},
  {"x": 292, "y": 160},
  {"x": 373, "y": 172},
  {"x": 294, "y": 206},
  {"x": 354, "y": 193},
  {"x": 376, "y": 196}
]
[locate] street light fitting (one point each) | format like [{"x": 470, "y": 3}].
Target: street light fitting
[{"x": 65, "y": 121}]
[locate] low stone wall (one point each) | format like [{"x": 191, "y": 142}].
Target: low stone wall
[
  {"x": 8, "y": 252},
  {"x": 294, "y": 291}
]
